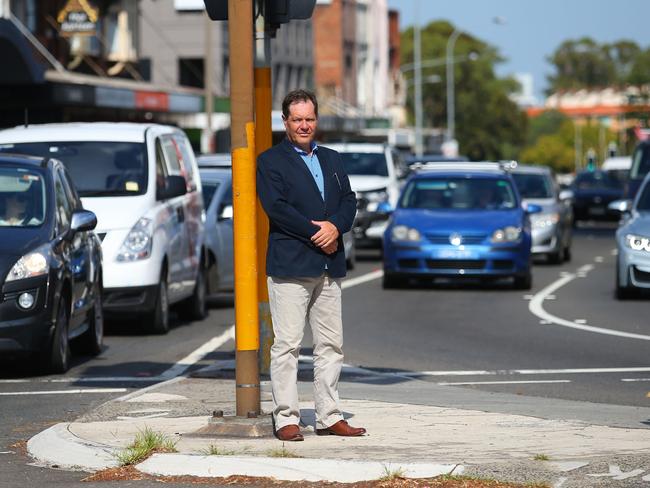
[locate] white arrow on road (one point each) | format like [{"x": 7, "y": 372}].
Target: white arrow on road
[{"x": 616, "y": 474}]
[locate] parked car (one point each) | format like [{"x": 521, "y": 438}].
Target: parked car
[
  {"x": 141, "y": 180},
  {"x": 593, "y": 191},
  {"x": 633, "y": 243},
  {"x": 639, "y": 168},
  {"x": 619, "y": 166},
  {"x": 375, "y": 171},
  {"x": 552, "y": 229},
  {"x": 50, "y": 264},
  {"x": 433, "y": 158},
  {"x": 459, "y": 220},
  {"x": 217, "y": 199}
]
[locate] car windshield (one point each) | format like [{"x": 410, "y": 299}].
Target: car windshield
[
  {"x": 459, "y": 194},
  {"x": 96, "y": 168},
  {"x": 533, "y": 185},
  {"x": 22, "y": 197},
  {"x": 597, "y": 180},
  {"x": 209, "y": 189},
  {"x": 640, "y": 162},
  {"x": 365, "y": 164}
]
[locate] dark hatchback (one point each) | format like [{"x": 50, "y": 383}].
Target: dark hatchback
[
  {"x": 50, "y": 264},
  {"x": 593, "y": 191}
]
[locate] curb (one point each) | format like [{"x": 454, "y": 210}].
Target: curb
[{"x": 57, "y": 446}]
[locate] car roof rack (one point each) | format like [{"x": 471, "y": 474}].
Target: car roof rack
[{"x": 465, "y": 166}]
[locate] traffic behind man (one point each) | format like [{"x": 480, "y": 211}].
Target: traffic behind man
[{"x": 307, "y": 197}]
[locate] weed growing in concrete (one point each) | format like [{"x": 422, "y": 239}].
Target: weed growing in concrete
[
  {"x": 541, "y": 457},
  {"x": 282, "y": 452},
  {"x": 213, "y": 450},
  {"x": 392, "y": 474},
  {"x": 146, "y": 442}
]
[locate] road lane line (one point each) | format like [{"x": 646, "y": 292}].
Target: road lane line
[
  {"x": 536, "y": 307},
  {"x": 467, "y": 383},
  {"x": 373, "y": 275},
  {"x": 63, "y": 392},
  {"x": 199, "y": 353},
  {"x": 635, "y": 379},
  {"x": 504, "y": 372}
]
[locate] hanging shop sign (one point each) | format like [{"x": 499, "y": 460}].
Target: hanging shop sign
[{"x": 78, "y": 17}]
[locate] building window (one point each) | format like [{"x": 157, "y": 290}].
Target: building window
[{"x": 190, "y": 72}]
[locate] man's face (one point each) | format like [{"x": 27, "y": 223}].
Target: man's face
[{"x": 301, "y": 124}]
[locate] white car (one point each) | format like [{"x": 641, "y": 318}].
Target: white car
[
  {"x": 375, "y": 171},
  {"x": 142, "y": 182}
]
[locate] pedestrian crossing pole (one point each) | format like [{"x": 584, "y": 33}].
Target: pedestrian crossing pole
[
  {"x": 242, "y": 94},
  {"x": 263, "y": 141}
]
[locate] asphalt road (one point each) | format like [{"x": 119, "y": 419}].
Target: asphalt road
[{"x": 567, "y": 338}]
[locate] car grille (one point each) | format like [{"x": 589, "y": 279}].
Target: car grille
[
  {"x": 408, "y": 263},
  {"x": 641, "y": 276},
  {"x": 455, "y": 263},
  {"x": 465, "y": 239},
  {"x": 502, "y": 264}
]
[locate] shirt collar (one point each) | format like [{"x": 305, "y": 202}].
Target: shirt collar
[{"x": 314, "y": 148}]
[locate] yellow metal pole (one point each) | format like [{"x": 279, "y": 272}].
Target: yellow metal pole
[
  {"x": 263, "y": 141},
  {"x": 240, "y": 31}
]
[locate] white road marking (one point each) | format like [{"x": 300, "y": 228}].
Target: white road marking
[
  {"x": 199, "y": 353},
  {"x": 599, "y": 259},
  {"x": 560, "y": 482},
  {"x": 87, "y": 379},
  {"x": 502, "y": 372},
  {"x": 536, "y": 308},
  {"x": 373, "y": 275},
  {"x": 63, "y": 392},
  {"x": 464, "y": 383},
  {"x": 635, "y": 379},
  {"x": 616, "y": 474}
]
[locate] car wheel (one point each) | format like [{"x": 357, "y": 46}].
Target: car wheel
[
  {"x": 556, "y": 257},
  {"x": 59, "y": 354},
  {"x": 196, "y": 308},
  {"x": 159, "y": 318},
  {"x": 93, "y": 339},
  {"x": 349, "y": 263},
  {"x": 523, "y": 282},
  {"x": 391, "y": 281},
  {"x": 567, "y": 253},
  {"x": 622, "y": 292}
]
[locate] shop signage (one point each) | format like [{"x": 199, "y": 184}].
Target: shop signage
[{"x": 78, "y": 17}]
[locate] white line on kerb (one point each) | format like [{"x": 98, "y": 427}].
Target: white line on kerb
[
  {"x": 536, "y": 308},
  {"x": 63, "y": 392}
]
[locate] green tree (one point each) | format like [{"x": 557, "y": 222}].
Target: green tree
[
  {"x": 488, "y": 124},
  {"x": 639, "y": 73},
  {"x": 580, "y": 64}
]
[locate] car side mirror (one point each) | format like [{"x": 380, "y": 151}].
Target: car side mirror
[
  {"x": 83, "y": 220},
  {"x": 533, "y": 208},
  {"x": 174, "y": 186},
  {"x": 385, "y": 208},
  {"x": 226, "y": 213},
  {"x": 566, "y": 195},
  {"x": 621, "y": 206}
]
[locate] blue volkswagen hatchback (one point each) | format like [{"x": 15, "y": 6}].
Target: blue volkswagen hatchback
[{"x": 458, "y": 220}]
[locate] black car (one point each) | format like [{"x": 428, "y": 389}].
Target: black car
[
  {"x": 593, "y": 191},
  {"x": 50, "y": 264}
]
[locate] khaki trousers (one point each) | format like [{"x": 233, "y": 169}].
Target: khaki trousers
[{"x": 294, "y": 301}]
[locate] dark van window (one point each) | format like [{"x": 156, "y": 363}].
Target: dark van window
[
  {"x": 96, "y": 168},
  {"x": 640, "y": 162}
]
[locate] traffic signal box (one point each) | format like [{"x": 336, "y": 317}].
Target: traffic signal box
[{"x": 276, "y": 12}]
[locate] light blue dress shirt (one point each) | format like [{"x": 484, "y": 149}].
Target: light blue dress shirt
[{"x": 313, "y": 165}]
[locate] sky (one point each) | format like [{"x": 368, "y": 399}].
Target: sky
[{"x": 529, "y": 31}]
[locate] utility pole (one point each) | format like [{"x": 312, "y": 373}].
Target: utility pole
[
  {"x": 207, "y": 144},
  {"x": 417, "y": 66},
  {"x": 240, "y": 32},
  {"x": 263, "y": 141}
]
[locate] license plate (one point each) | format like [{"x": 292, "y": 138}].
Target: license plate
[
  {"x": 454, "y": 254},
  {"x": 596, "y": 210}
]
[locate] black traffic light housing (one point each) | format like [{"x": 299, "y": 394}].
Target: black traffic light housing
[{"x": 276, "y": 12}]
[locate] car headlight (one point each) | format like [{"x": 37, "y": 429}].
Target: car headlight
[
  {"x": 507, "y": 234},
  {"x": 404, "y": 233},
  {"x": 375, "y": 198},
  {"x": 637, "y": 243},
  {"x": 544, "y": 220},
  {"x": 138, "y": 242},
  {"x": 32, "y": 264}
]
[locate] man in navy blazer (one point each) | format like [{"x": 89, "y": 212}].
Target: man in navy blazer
[{"x": 306, "y": 194}]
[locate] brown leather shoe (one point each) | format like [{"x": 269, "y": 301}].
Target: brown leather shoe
[
  {"x": 289, "y": 433},
  {"x": 342, "y": 428}
]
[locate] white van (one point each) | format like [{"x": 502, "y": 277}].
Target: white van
[
  {"x": 375, "y": 171},
  {"x": 142, "y": 182}
]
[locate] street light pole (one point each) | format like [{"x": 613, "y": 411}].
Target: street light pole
[
  {"x": 451, "y": 108},
  {"x": 417, "y": 65}
]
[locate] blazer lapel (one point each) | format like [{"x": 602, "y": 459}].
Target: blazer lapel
[{"x": 298, "y": 161}]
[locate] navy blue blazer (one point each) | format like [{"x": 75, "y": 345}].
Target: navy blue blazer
[{"x": 291, "y": 199}]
